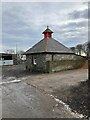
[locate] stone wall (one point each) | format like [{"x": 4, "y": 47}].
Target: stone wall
[
  {"x": 29, "y": 62},
  {"x": 54, "y": 66},
  {"x": 56, "y": 57},
  {"x": 40, "y": 65},
  {"x": 59, "y": 62},
  {"x": 53, "y": 62}
]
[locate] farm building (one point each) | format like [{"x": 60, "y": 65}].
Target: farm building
[
  {"x": 48, "y": 55},
  {"x": 8, "y": 59}
]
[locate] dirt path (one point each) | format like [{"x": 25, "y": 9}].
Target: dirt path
[
  {"x": 20, "y": 100},
  {"x": 65, "y": 86},
  {"x": 31, "y": 97},
  {"x": 53, "y": 81}
]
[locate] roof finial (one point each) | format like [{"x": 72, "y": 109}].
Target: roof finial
[{"x": 47, "y": 27}]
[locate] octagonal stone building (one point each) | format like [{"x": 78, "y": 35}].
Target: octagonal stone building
[{"x": 48, "y": 55}]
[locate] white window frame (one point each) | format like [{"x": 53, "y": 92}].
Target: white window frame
[{"x": 34, "y": 61}]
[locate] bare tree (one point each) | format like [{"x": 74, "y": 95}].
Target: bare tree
[
  {"x": 20, "y": 56},
  {"x": 10, "y": 51},
  {"x": 73, "y": 49},
  {"x": 20, "y": 53},
  {"x": 79, "y": 48}
]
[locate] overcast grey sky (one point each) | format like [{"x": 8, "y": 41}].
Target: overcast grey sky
[{"x": 24, "y": 22}]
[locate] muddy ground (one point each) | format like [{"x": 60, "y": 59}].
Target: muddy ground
[
  {"x": 69, "y": 86},
  {"x": 31, "y": 97}
]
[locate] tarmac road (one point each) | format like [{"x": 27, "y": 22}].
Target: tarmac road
[
  {"x": 23, "y": 101},
  {"x": 20, "y": 100}
]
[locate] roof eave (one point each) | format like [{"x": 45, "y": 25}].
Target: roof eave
[{"x": 49, "y": 53}]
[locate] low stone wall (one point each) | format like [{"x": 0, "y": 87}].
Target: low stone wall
[{"x": 54, "y": 66}]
